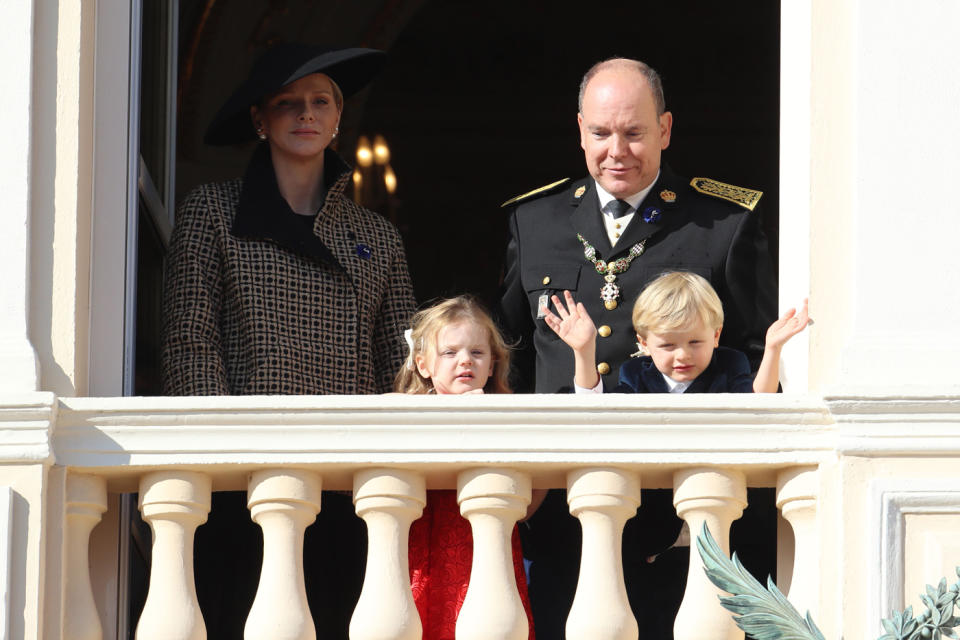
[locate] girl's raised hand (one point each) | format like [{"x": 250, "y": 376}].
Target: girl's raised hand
[
  {"x": 786, "y": 326},
  {"x": 571, "y": 322}
]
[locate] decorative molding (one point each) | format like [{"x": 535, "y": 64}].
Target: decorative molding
[
  {"x": 891, "y": 425},
  {"x": 894, "y": 405},
  {"x": 26, "y": 422},
  {"x": 768, "y": 431},
  {"x": 890, "y": 501}
]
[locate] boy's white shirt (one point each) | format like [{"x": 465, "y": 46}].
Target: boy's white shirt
[
  {"x": 672, "y": 386},
  {"x": 676, "y": 387},
  {"x": 598, "y": 388}
]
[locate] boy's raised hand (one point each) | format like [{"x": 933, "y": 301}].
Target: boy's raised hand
[
  {"x": 786, "y": 326},
  {"x": 571, "y": 322}
]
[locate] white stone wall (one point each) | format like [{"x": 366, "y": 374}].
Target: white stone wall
[{"x": 870, "y": 157}]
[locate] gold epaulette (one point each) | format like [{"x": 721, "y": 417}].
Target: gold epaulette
[
  {"x": 537, "y": 191},
  {"x": 746, "y": 198}
]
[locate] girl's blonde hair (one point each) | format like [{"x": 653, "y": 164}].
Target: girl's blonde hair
[
  {"x": 425, "y": 329},
  {"x": 675, "y": 302}
]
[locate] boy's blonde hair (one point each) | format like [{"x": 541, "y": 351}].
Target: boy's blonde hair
[
  {"x": 425, "y": 329},
  {"x": 675, "y": 301}
]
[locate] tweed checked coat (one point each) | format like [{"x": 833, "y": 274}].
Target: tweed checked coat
[{"x": 259, "y": 300}]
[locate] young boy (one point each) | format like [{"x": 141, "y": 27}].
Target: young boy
[{"x": 678, "y": 319}]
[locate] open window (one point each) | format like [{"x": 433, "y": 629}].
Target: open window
[{"x": 477, "y": 104}]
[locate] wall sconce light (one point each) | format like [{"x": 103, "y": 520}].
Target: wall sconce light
[
  {"x": 364, "y": 152},
  {"x": 374, "y": 180},
  {"x": 390, "y": 180},
  {"x": 381, "y": 152}
]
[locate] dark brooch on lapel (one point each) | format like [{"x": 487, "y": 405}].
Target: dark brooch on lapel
[
  {"x": 651, "y": 215},
  {"x": 362, "y": 251}
]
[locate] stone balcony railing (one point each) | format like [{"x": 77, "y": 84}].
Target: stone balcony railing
[{"x": 389, "y": 449}]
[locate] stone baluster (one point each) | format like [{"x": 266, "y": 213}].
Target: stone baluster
[
  {"x": 388, "y": 500},
  {"x": 284, "y": 502},
  {"x": 603, "y": 500},
  {"x": 86, "y": 502},
  {"x": 797, "y": 500},
  {"x": 716, "y": 497},
  {"x": 492, "y": 500},
  {"x": 175, "y": 503}
]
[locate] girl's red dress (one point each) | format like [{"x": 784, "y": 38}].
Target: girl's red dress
[{"x": 441, "y": 553}]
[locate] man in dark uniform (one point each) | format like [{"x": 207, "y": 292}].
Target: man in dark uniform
[
  {"x": 635, "y": 214},
  {"x": 603, "y": 238}
]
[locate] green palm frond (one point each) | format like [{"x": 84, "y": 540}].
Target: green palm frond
[{"x": 765, "y": 614}]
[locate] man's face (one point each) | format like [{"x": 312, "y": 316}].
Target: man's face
[{"x": 620, "y": 133}]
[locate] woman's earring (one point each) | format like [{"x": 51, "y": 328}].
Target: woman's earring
[
  {"x": 261, "y": 134},
  {"x": 336, "y": 130}
]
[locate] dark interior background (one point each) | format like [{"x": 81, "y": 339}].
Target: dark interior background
[{"x": 478, "y": 102}]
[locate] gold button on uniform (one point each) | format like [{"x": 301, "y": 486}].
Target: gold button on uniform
[
  {"x": 604, "y": 331},
  {"x": 546, "y": 279},
  {"x": 603, "y": 368}
]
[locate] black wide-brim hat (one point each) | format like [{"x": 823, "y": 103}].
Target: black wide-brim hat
[{"x": 351, "y": 69}]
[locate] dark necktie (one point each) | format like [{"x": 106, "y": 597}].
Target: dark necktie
[{"x": 618, "y": 208}]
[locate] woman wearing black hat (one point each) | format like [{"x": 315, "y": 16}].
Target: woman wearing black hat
[{"x": 278, "y": 283}]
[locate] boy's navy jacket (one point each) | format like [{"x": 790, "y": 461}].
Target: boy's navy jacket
[{"x": 728, "y": 372}]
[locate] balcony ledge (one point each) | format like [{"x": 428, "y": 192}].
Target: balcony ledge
[{"x": 121, "y": 438}]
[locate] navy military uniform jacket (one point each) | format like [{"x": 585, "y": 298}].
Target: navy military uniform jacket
[
  {"x": 728, "y": 372},
  {"x": 706, "y": 233}
]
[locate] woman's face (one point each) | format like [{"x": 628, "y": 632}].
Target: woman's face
[{"x": 300, "y": 119}]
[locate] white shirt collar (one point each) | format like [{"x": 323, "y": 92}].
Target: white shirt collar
[
  {"x": 676, "y": 387},
  {"x": 634, "y": 200}
]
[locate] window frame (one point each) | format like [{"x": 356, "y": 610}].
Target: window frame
[{"x": 121, "y": 182}]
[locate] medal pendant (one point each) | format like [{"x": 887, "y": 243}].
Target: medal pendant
[{"x": 610, "y": 291}]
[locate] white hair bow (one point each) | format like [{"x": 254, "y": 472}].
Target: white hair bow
[{"x": 408, "y": 336}]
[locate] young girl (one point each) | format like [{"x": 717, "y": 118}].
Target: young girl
[{"x": 455, "y": 348}]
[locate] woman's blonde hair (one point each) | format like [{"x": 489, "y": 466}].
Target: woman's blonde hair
[
  {"x": 425, "y": 329},
  {"x": 675, "y": 302}
]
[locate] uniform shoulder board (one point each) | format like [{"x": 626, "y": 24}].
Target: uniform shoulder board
[
  {"x": 746, "y": 198},
  {"x": 540, "y": 191}
]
